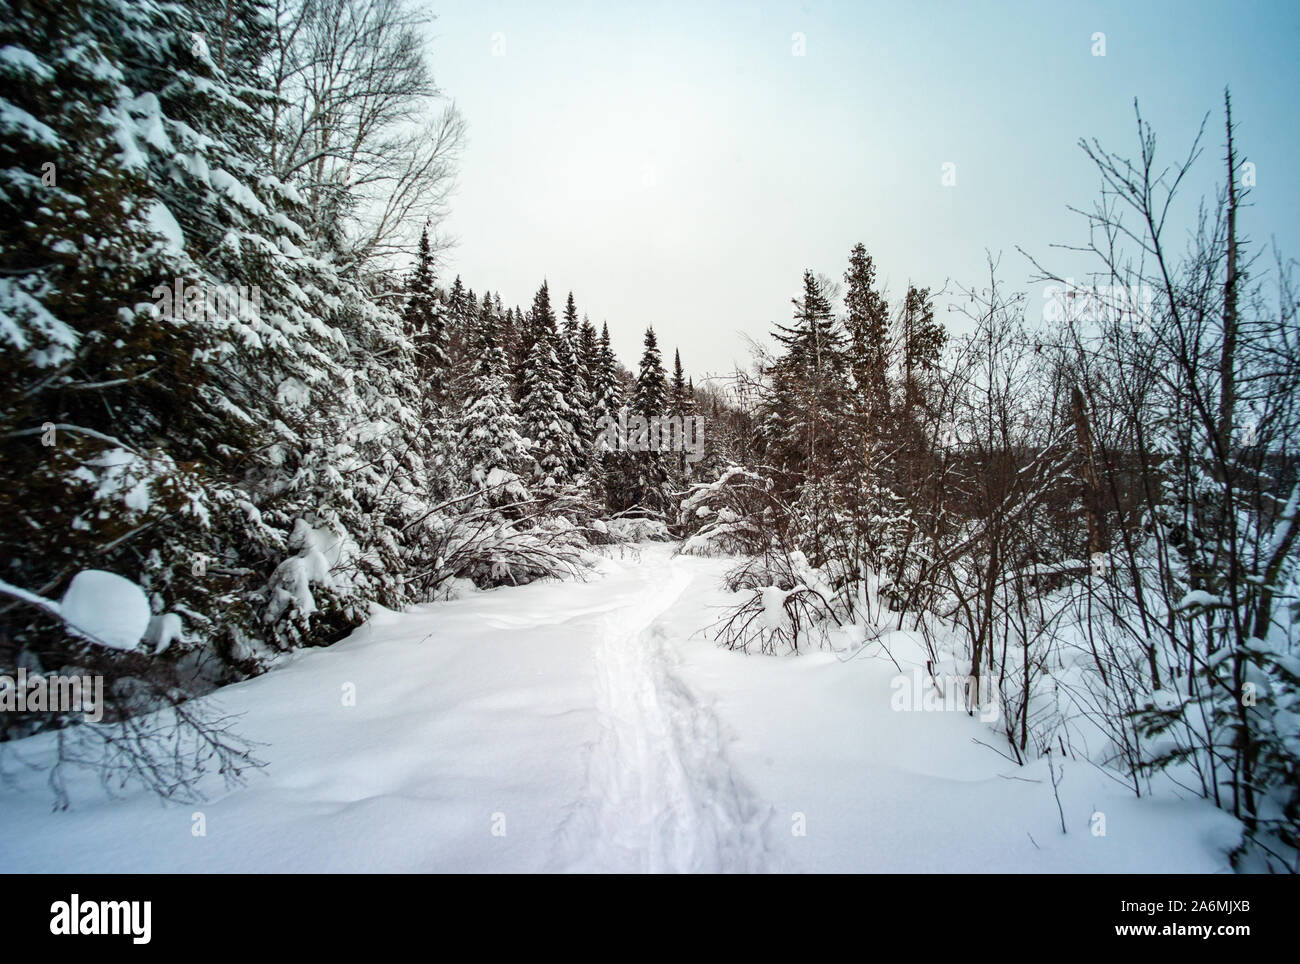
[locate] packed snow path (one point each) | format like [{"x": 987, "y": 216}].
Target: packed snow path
[
  {"x": 590, "y": 726},
  {"x": 661, "y": 795}
]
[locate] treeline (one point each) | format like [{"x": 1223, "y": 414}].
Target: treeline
[{"x": 530, "y": 400}]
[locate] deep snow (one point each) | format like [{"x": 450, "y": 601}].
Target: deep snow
[{"x": 591, "y": 726}]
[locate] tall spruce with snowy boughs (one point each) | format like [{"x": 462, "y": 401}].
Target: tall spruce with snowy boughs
[
  {"x": 607, "y": 398},
  {"x": 544, "y": 411},
  {"x": 99, "y": 394},
  {"x": 680, "y": 405},
  {"x": 867, "y": 322},
  {"x": 923, "y": 340},
  {"x": 427, "y": 323},
  {"x": 680, "y": 401},
  {"x": 188, "y": 134},
  {"x": 589, "y": 354},
  {"x": 520, "y": 350},
  {"x": 239, "y": 424},
  {"x": 491, "y": 445},
  {"x": 809, "y": 388},
  {"x": 869, "y": 471},
  {"x": 607, "y": 389},
  {"x": 576, "y": 386},
  {"x": 647, "y": 468},
  {"x": 462, "y": 318}
]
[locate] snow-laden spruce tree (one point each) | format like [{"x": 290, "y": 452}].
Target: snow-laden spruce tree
[
  {"x": 147, "y": 262},
  {"x": 609, "y": 470},
  {"x": 490, "y": 443},
  {"x": 544, "y": 412},
  {"x": 606, "y": 385},
  {"x": 236, "y": 346},
  {"x": 808, "y": 389},
  {"x": 100, "y": 414},
  {"x": 576, "y": 386},
  {"x": 869, "y": 348},
  {"x": 681, "y": 405},
  {"x": 646, "y": 466},
  {"x": 223, "y": 345},
  {"x": 426, "y": 321},
  {"x": 461, "y": 312}
]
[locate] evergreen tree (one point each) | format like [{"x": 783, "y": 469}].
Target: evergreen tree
[
  {"x": 923, "y": 342},
  {"x": 227, "y": 404},
  {"x": 681, "y": 403},
  {"x": 425, "y": 322},
  {"x": 809, "y": 389},
  {"x": 521, "y": 350},
  {"x": 589, "y": 353},
  {"x": 544, "y": 412},
  {"x": 80, "y": 255},
  {"x": 576, "y": 387},
  {"x": 609, "y": 471},
  {"x": 488, "y": 430},
  {"x": 648, "y": 473},
  {"x": 607, "y": 395},
  {"x": 458, "y": 304},
  {"x": 867, "y": 321},
  {"x": 681, "y": 395}
]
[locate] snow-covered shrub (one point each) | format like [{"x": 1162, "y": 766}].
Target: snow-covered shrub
[
  {"x": 731, "y": 515},
  {"x": 785, "y": 604},
  {"x": 631, "y": 529},
  {"x": 773, "y": 619}
]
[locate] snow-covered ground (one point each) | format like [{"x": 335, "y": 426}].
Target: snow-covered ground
[{"x": 590, "y": 726}]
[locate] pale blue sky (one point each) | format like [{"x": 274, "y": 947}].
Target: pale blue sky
[{"x": 675, "y": 163}]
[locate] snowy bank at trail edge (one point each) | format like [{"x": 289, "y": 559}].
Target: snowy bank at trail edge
[{"x": 591, "y": 726}]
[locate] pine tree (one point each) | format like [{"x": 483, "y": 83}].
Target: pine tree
[
  {"x": 488, "y": 430},
  {"x": 544, "y": 412},
  {"x": 648, "y": 473},
  {"x": 867, "y": 321},
  {"x": 589, "y": 353},
  {"x": 576, "y": 387},
  {"x": 458, "y": 304},
  {"x": 225, "y": 397},
  {"x": 607, "y": 395},
  {"x": 463, "y": 314},
  {"x": 809, "y": 389},
  {"x": 681, "y": 404},
  {"x": 425, "y": 322},
  {"x": 923, "y": 342},
  {"x": 80, "y": 255},
  {"x": 681, "y": 395},
  {"x": 609, "y": 471},
  {"x": 521, "y": 350}
]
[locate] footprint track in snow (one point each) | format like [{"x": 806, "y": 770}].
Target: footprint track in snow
[{"x": 661, "y": 795}]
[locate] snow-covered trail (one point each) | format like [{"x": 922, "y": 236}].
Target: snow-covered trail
[
  {"x": 590, "y": 726},
  {"x": 661, "y": 794},
  {"x": 537, "y": 728}
]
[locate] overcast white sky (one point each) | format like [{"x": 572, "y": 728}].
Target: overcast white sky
[{"x": 680, "y": 164}]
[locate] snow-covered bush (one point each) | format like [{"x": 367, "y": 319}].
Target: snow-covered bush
[
  {"x": 632, "y": 529},
  {"x": 731, "y": 515}
]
